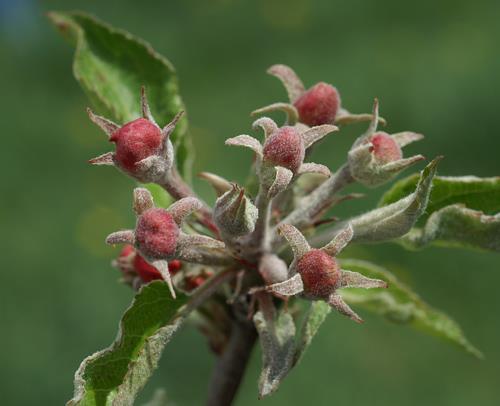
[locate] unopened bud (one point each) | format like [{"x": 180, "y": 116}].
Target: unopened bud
[
  {"x": 320, "y": 273},
  {"x": 143, "y": 150},
  {"x": 156, "y": 233},
  {"x": 376, "y": 157},
  {"x": 285, "y": 147},
  {"x": 234, "y": 214},
  {"x": 318, "y": 105},
  {"x": 273, "y": 269}
]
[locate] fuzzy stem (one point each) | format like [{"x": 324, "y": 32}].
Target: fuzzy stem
[
  {"x": 178, "y": 189},
  {"x": 260, "y": 234},
  {"x": 204, "y": 257},
  {"x": 208, "y": 289},
  {"x": 231, "y": 365},
  {"x": 310, "y": 206}
]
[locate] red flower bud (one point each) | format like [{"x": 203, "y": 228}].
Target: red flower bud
[
  {"x": 319, "y": 105},
  {"x": 385, "y": 148},
  {"x": 285, "y": 147},
  {"x": 320, "y": 273},
  {"x": 136, "y": 141},
  {"x": 156, "y": 233}
]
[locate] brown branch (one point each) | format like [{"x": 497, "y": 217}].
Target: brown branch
[{"x": 230, "y": 367}]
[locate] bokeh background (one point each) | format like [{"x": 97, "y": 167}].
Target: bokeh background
[{"x": 435, "y": 67}]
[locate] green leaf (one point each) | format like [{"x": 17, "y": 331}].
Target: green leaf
[
  {"x": 277, "y": 338},
  {"x": 160, "y": 195},
  {"x": 401, "y": 305},
  {"x": 457, "y": 226},
  {"x": 115, "y": 375},
  {"x": 476, "y": 193},
  {"x": 111, "y": 65},
  {"x": 315, "y": 316},
  {"x": 395, "y": 220}
]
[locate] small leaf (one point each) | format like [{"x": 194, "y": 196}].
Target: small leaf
[
  {"x": 115, "y": 375},
  {"x": 315, "y": 316},
  {"x": 457, "y": 226},
  {"x": 111, "y": 65},
  {"x": 400, "y": 305},
  {"x": 395, "y": 220},
  {"x": 476, "y": 193},
  {"x": 277, "y": 338}
]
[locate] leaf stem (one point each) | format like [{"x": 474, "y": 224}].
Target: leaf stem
[{"x": 317, "y": 201}]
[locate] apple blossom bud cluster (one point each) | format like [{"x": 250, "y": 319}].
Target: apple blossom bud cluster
[{"x": 249, "y": 233}]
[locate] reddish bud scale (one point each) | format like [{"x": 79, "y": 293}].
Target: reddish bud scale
[
  {"x": 319, "y": 105},
  {"x": 285, "y": 148},
  {"x": 126, "y": 251},
  {"x": 136, "y": 141},
  {"x": 320, "y": 273},
  {"x": 194, "y": 282},
  {"x": 385, "y": 149},
  {"x": 156, "y": 234}
]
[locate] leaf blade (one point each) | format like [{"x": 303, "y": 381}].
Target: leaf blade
[
  {"x": 476, "y": 193},
  {"x": 314, "y": 318},
  {"x": 114, "y": 375},
  {"x": 401, "y": 305},
  {"x": 457, "y": 226},
  {"x": 277, "y": 337},
  {"x": 111, "y": 65},
  {"x": 395, "y": 220}
]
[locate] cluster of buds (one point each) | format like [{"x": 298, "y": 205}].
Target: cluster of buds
[{"x": 246, "y": 229}]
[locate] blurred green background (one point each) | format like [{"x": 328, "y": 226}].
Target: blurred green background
[{"x": 434, "y": 66}]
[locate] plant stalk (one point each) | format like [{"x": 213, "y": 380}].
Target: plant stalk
[
  {"x": 317, "y": 201},
  {"x": 230, "y": 367}
]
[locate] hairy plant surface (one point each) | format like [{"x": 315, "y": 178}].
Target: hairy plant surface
[{"x": 256, "y": 267}]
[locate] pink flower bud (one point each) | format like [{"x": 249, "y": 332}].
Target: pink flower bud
[
  {"x": 385, "y": 148},
  {"x": 285, "y": 148},
  {"x": 320, "y": 273},
  {"x": 136, "y": 141},
  {"x": 319, "y": 105},
  {"x": 156, "y": 233}
]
